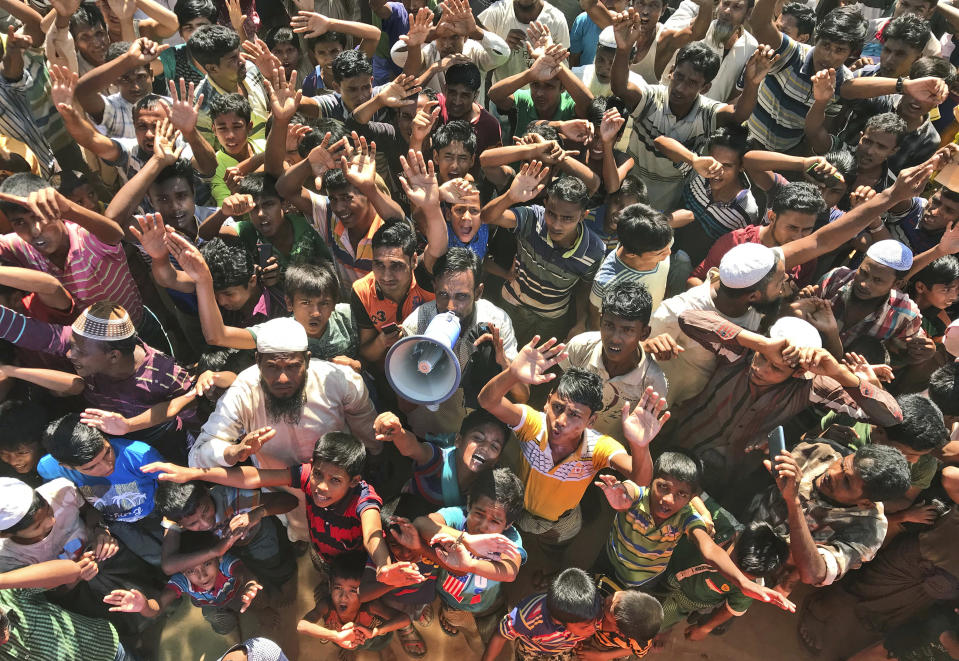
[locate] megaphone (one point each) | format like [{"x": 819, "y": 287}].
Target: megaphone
[{"x": 423, "y": 368}]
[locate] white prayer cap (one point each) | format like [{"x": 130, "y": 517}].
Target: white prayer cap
[
  {"x": 891, "y": 253},
  {"x": 16, "y": 498},
  {"x": 799, "y": 332},
  {"x": 105, "y": 322},
  {"x": 745, "y": 265},
  {"x": 607, "y": 37},
  {"x": 281, "y": 335}
]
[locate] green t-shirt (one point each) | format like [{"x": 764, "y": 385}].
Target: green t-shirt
[
  {"x": 526, "y": 113},
  {"x": 218, "y": 187},
  {"x": 339, "y": 338},
  {"x": 308, "y": 246},
  {"x": 702, "y": 584}
]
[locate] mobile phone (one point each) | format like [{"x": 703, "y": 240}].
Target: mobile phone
[
  {"x": 389, "y": 328},
  {"x": 777, "y": 442},
  {"x": 266, "y": 251},
  {"x": 820, "y": 176}
]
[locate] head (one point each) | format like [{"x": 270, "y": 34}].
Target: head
[
  {"x": 831, "y": 188},
  {"x": 650, "y": 11},
  {"x": 462, "y": 87},
  {"x": 448, "y": 42},
  {"x": 765, "y": 294},
  {"x": 326, "y": 47},
  {"x": 406, "y": 113},
  {"x": 937, "y": 285},
  {"x": 572, "y": 406},
  {"x": 353, "y": 72},
  {"x": 77, "y": 187},
  {"x": 454, "y": 150},
  {"x": 230, "y": 114},
  {"x": 624, "y": 321},
  {"x": 37, "y": 521},
  {"x": 346, "y": 573},
  {"x": 464, "y": 216},
  {"x": 90, "y": 34},
  {"x": 944, "y": 392},
  {"x": 924, "y": 9},
  {"x": 730, "y": 17},
  {"x": 321, "y": 127},
  {"x": 187, "y": 505},
  {"x": 545, "y": 95},
  {"x": 480, "y": 441},
  {"x": 840, "y": 34},
  {"x": 696, "y": 66},
  {"x": 49, "y": 237},
  {"x": 676, "y": 479},
  {"x": 267, "y": 214},
  {"x": 494, "y": 502},
  {"x": 873, "y": 281},
  {"x": 457, "y": 284},
  {"x": 633, "y": 614},
  {"x": 727, "y": 146},
  {"x": 147, "y": 112},
  {"x": 79, "y": 447},
  {"x": 912, "y": 108},
  {"x": 338, "y": 460},
  {"x": 312, "y": 292},
  {"x": 759, "y": 552},
  {"x": 234, "y": 278},
  {"x": 795, "y": 208},
  {"x": 922, "y": 430},
  {"x": 603, "y": 63},
  {"x": 566, "y": 201},
  {"x": 193, "y": 15},
  {"x": 174, "y": 196},
  {"x": 903, "y": 41},
  {"x": 873, "y": 474},
  {"x": 941, "y": 211},
  {"x": 203, "y": 575},
  {"x": 94, "y": 355},
  {"x": 133, "y": 84},
  {"x": 22, "y": 423},
  {"x": 216, "y": 48},
  {"x": 394, "y": 258},
  {"x": 631, "y": 191},
  {"x": 348, "y": 204},
  {"x": 284, "y": 45},
  {"x": 797, "y": 21},
  {"x": 880, "y": 139},
  {"x": 594, "y": 114},
  {"x": 572, "y": 599},
  {"x": 283, "y": 376}
]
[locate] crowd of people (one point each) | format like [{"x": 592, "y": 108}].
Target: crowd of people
[{"x": 700, "y": 258}]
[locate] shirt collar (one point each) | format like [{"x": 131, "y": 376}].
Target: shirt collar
[{"x": 807, "y": 69}]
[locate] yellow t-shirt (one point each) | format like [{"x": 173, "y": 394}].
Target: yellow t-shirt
[{"x": 552, "y": 489}]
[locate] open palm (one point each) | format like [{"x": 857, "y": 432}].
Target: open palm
[
  {"x": 531, "y": 363},
  {"x": 642, "y": 424},
  {"x": 419, "y": 180}
]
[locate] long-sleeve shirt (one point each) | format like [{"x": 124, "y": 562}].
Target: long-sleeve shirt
[{"x": 731, "y": 412}]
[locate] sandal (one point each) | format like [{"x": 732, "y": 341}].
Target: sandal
[
  {"x": 425, "y": 618},
  {"x": 445, "y": 624},
  {"x": 412, "y": 641}
]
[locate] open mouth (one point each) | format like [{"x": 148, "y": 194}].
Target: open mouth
[{"x": 477, "y": 462}]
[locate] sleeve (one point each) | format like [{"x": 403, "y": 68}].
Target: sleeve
[
  {"x": 922, "y": 472},
  {"x": 411, "y": 323},
  {"x": 576, "y": 34},
  {"x": 525, "y": 217},
  {"x": 508, "y": 336},
  {"x": 851, "y": 546},
  {"x": 455, "y": 517},
  {"x": 865, "y": 402},
  {"x": 110, "y": 117},
  {"x": 507, "y": 626},
  {"x": 224, "y": 427},
  {"x": 597, "y": 290},
  {"x": 360, "y": 316},
  {"x": 567, "y": 106},
  {"x": 512, "y": 534},
  {"x": 530, "y": 425},
  {"x": 142, "y": 454},
  {"x": 368, "y": 499},
  {"x": 179, "y": 584},
  {"x": 33, "y": 335},
  {"x": 49, "y": 469},
  {"x": 320, "y": 213},
  {"x": 737, "y": 603},
  {"x": 357, "y": 406},
  {"x": 606, "y": 448},
  {"x": 436, "y": 456},
  {"x": 493, "y": 51},
  {"x": 124, "y": 157},
  {"x": 715, "y": 333}
]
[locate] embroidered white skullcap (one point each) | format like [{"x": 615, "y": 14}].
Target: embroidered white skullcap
[
  {"x": 259, "y": 649},
  {"x": 745, "y": 265},
  {"x": 104, "y": 321},
  {"x": 607, "y": 37},
  {"x": 891, "y": 253},
  {"x": 16, "y": 497},
  {"x": 281, "y": 335},
  {"x": 799, "y": 332}
]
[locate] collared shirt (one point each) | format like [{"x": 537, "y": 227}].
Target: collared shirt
[
  {"x": 252, "y": 82},
  {"x": 897, "y": 316},
  {"x": 547, "y": 273},
  {"x": 336, "y": 399},
  {"x": 802, "y": 274},
  {"x": 613, "y": 271},
  {"x": 715, "y": 217},
  {"x": 785, "y": 96},
  {"x": 225, "y": 587},
  {"x": 372, "y": 309},
  {"x": 352, "y": 262},
  {"x": 553, "y": 488},
  {"x": 732, "y": 413},
  {"x": 67, "y": 538},
  {"x": 117, "y": 119},
  {"x": 500, "y": 18},
  {"x": 531, "y": 626},
  {"x": 845, "y": 536},
  {"x": 218, "y": 187},
  {"x": 586, "y": 352}
]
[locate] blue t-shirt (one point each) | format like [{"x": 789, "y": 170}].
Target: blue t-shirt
[
  {"x": 471, "y": 593},
  {"x": 398, "y": 23},
  {"x": 126, "y": 494},
  {"x": 478, "y": 245},
  {"x": 583, "y": 38}
]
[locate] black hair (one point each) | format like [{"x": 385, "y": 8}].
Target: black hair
[
  {"x": 701, "y": 58},
  {"x": 888, "y": 122},
  {"x": 226, "y": 103},
  {"x": 458, "y": 260},
  {"x": 572, "y": 597},
  {"x": 844, "y": 161},
  {"x": 730, "y": 137},
  {"x": 29, "y": 517},
  {"x": 321, "y": 127},
  {"x": 281, "y": 34},
  {"x": 397, "y": 234},
  {"x": 328, "y": 36},
  {"x": 638, "y": 616},
  {"x": 341, "y": 449},
  {"x": 759, "y": 551},
  {"x": 936, "y": 67},
  {"x": 71, "y": 442},
  {"x": 22, "y": 422},
  {"x": 458, "y": 130},
  {"x": 922, "y": 427},
  {"x": 843, "y": 25},
  {"x": 115, "y": 50},
  {"x": 799, "y": 196},
  {"x": 543, "y": 130},
  {"x": 335, "y": 179},
  {"x": 941, "y": 271},
  {"x": 231, "y": 264},
  {"x": 149, "y": 102},
  {"x": 177, "y": 501},
  {"x": 20, "y": 184},
  {"x": 349, "y": 566},
  {"x": 909, "y": 29},
  {"x": 182, "y": 169},
  {"x": 197, "y": 541},
  {"x": 87, "y": 14},
  {"x": 680, "y": 466},
  {"x": 641, "y": 228},
  {"x": 949, "y": 194},
  {"x": 312, "y": 280},
  {"x": 466, "y": 73},
  {"x": 210, "y": 43},
  {"x": 501, "y": 486},
  {"x": 220, "y": 359},
  {"x": 70, "y": 180},
  {"x": 569, "y": 188},
  {"x": 632, "y": 186},
  {"x": 188, "y": 10},
  {"x": 350, "y": 64},
  {"x": 628, "y": 300},
  {"x": 581, "y": 387},
  {"x": 258, "y": 185},
  {"x": 480, "y": 417},
  {"x": 944, "y": 388},
  {"x": 598, "y": 107},
  {"x": 884, "y": 472},
  {"x": 805, "y": 17}
]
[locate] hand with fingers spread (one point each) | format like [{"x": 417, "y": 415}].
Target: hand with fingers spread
[
  {"x": 310, "y": 24},
  {"x": 531, "y": 364},
  {"x": 188, "y": 256},
  {"x": 399, "y": 574},
  {"x": 538, "y": 39},
  {"x": 397, "y": 93},
  {"x": 760, "y": 63},
  {"x": 707, "y": 167},
  {"x": 857, "y": 364},
  {"x": 46, "y": 203},
  {"x": 360, "y": 164},
  {"x": 284, "y": 97},
  {"x": 151, "y": 233},
  {"x": 498, "y": 350},
  {"x": 423, "y": 123},
  {"x": 824, "y": 85},
  {"x": 165, "y": 150},
  {"x": 126, "y": 601},
  {"x": 325, "y": 157},
  {"x": 546, "y": 67},
  {"x": 248, "y": 446},
  {"x": 419, "y": 180},
  {"x": 63, "y": 88},
  {"x": 257, "y": 52},
  {"x": 250, "y": 591},
  {"x": 615, "y": 491},
  {"x": 610, "y": 126},
  {"x": 108, "y": 422},
  {"x": 458, "y": 191},
  {"x": 237, "y": 17},
  {"x": 404, "y": 532},
  {"x": 185, "y": 110},
  {"x": 459, "y": 16},
  {"x": 528, "y": 183},
  {"x": 420, "y": 25},
  {"x": 649, "y": 415},
  {"x": 818, "y": 312}
]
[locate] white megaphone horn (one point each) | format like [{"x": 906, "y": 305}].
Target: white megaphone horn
[{"x": 423, "y": 368}]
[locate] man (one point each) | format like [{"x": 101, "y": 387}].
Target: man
[
  {"x": 876, "y": 33},
  {"x": 276, "y": 409},
  {"x": 924, "y": 221},
  {"x": 510, "y": 19},
  {"x": 878, "y": 141},
  {"x": 904, "y": 39}
]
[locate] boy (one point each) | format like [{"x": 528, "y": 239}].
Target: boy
[
  {"x": 797, "y": 21},
  {"x": 326, "y": 38},
  {"x": 238, "y": 288},
  {"x": 347, "y": 621},
  {"x": 221, "y": 586},
  {"x": 230, "y": 115},
  {"x": 21, "y": 428},
  {"x": 454, "y": 150},
  {"x": 934, "y": 289},
  {"x": 628, "y": 623},
  {"x": 604, "y": 220},
  {"x": 551, "y": 625},
  {"x": 323, "y": 50},
  {"x": 191, "y": 16},
  {"x": 461, "y": 87}
]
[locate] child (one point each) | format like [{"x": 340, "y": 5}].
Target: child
[
  {"x": 695, "y": 586},
  {"x": 629, "y": 622},
  {"x": 323, "y": 50},
  {"x": 191, "y": 15},
  {"x": 221, "y": 586},
  {"x": 231, "y": 117},
  {"x": 477, "y": 547},
  {"x": 327, "y": 38},
  {"x": 347, "y": 621},
  {"x": 342, "y": 509},
  {"x": 604, "y": 220},
  {"x": 243, "y": 294},
  {"x": 77, "y": 187},
  {"x": 443, "y": 476},
  {"x": 934, "y": 289},
  {"x": 285, "y": 46},
  {"x": 550, "y": 625},
  {"x": 21, "y": 428},
  {"x": 454, "y": 150}
]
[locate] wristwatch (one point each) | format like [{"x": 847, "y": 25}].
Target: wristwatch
[{"x": 899, "y": 85}]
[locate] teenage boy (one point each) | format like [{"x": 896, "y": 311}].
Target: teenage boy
[
  {"x": 935, "y": 288},
  {"x": 903, "y": 41},
  {"x": 326, "y": 38},
  {"x": 879, "y": 139},
  {"x": 21, "y": 429},
  {"x": 191, "y": 16},
  {"x": 230, "y": 115},
  {"x": 921, "y": 9},
  {"x": 797, "y": 21},
  {"x": 461, "y": 86}
]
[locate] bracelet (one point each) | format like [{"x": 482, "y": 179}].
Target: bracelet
[
  {"x": 876, "y": 230},
  {"x": 899, "y": 85}
]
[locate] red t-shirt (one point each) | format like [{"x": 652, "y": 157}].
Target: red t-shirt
[{"x": 802, "y": 274}]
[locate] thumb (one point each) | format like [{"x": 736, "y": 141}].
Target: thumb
[{"x": 768, "y": 464}]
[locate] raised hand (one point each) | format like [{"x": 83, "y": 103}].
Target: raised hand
[
  {"x": 423, "y": 123},
  {"x": 386, "y": 426},
  {"x": 185, "y": 110},
  {"x": 538, "y": 39},
  {"x": 547, "y": 65},
  {"x": 151, "y": 233},
  {"x": 237, "y": 17},
  {"x": 930, "y": 90},
  {"x": 249, "y": 594},
  {"x": 610, "y": 125},
  {"x": 310, "y": 24},
  {"x": 126, "y": 601},
  {"x": 824, "y": 85},
  {"x": 615, "y": 491},
  {"x": 818, "y": 312},
  {"x": 238, "y": 204},
  {"x": 419, "y": 181},
  {"x": 65, "y": 8},
  {"x": 458, "y": 15},
  {"x": 494, "y": 336},
  {"x": 63, "y": 87},
  {"x": 532, "y": 362},
  {"x": 284, "y": 97},
  {"x": 398, "y": 92},
  {"x": 256, "y": 51},
  {"x": 248, "y": 445},
  {"x": 787, "y": 475},
  {"x": 820, "y": 166},
  {"x": 663, "y": 347},
  {"x": 647, "y": 418},
  {"x": 124, "y": 9},
  {"x": 399, "y": 574},
  {"x": 188, "y": 256},
  {"x": 420, "y": 25},
  {"x": 760, "y": 63},
  {"x": 528, "y": 184},
  {"x": 455, "y": 58},
  {"x": 360, "y": 164},
  {"x": 164, "y": 143},
  {"x": 911, "y": 181},
  {"x": 46, "y": 203},
  {"x": 577, "y": 130},
  {"x": 707, "y": 167},
  {"x": 108, "y": 422},
  {"x": 404, "y": 532},
  {"x": 490, "y": 546},
  {"x": 860, "y": 195},
  {"x": 451, "y": 553},
  {"x": 626, "y": 28},
  {"x": 105, "y": 545},
  {"x": 17, "y": 40},
  {"x": 324, "y": 157},
  {"x": 458, "y": 191},
  {"x": 145, "y": 50}
]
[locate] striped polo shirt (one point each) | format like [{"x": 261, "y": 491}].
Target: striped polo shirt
[
  {"x": 352, "y": 262},
  {"x": 530, "y": 625},
  {"x": 715, "y": 217},
  {"x": 224, "y": 589},
  {"x": 785, "y": 96},
  {"x": 547, "y": 274}
]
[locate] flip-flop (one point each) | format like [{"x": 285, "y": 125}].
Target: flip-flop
[
  {"x": 425, "y": 617},
  {"x": 412, "y": 641}
]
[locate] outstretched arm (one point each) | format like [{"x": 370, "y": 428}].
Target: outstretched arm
[
  {"x": 762, "y": 22},
  {"x": 530, "y": 367}
]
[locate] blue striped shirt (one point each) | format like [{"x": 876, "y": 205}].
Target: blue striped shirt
[{"x": 534, "y": 630}]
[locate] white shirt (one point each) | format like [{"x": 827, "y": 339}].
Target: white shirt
[
  {"x": 731, "y": 63},
  {"x": 68, "y": 529},
  {"x": 501, "y": 18},
  {"x": 587, "y": 73}
]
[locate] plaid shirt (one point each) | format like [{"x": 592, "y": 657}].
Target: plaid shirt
[{"x": 898, "y": 317}]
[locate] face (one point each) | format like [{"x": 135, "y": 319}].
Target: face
[
  {"x": 603, "y": 64},
  {"x": 312, "y": 312},
  {"x": 840, "y": 483},
  {"x": 174, "y": 200},
  {"x": 581, "y": 629},
  {"x": 89, "y": 357},
  {"x": 47, "y": 236},
  {"x": 787, "y": 25},
  {"x": 732, "y": 12},
  {"x": 649, "y": 13},
  {"x": 345, "y": 594},
  {"x": 896, "y": 58},
  {"x": 464, "y": 219},
  {"x": 453, "y": 162},
  {"x": 144, "y": 125},
  {"x": 791, "y": 225},
  {"x": 562, "y": 220},
  {"x": 621, "y": 337},
  {"x": 324, "y": 52},
  {"x": 486, "y": 517},
  {"x": 202, "y": 518},
  {"x": 231, "y": 132},
  {"x": 668, "y": 496},
  {"x": 38, "y": 530},
  {"x": 685, "y": 84},
  {"x": 939, "y": 296},
  {"x": 236, "y": 297},
  {"x": 830, "y": 55},
  {"x": 566, "y": 421},
  {"x": 356, "y": 91},
  {"x": 872, "y": 280},
  {"x": 393, "y": 271},
  {"x": 920, "y": 8},
  {"x": 283, "y": 374},
  {"x": 449, "y": 44},
  {"x": 329, "y": 484},
  {"x": 732, "y": 165},
  {"x": 203, "y": 576},
  {"x": 939, "y": 213},
  {"x": 832, "y": 190},
  {"x": 101, "y": 465},
  {"x": 228, "y": 70},
  {"x": 187, "y": 29},
  {"x": 874, "y": 148},
  {"x": 545, "y": 94},
  {"x": 481, "y": 447},
  {"x": 457, "y": 293},
  {"x": 92, "y": 43},
  {"x": 614, "y": 205},
  {"x": 350, "y": 206},
  {"x": 23, "y": 458},
  {"x": 768, "y": 301},
  {"x": 267, "y": 216},
  {"x": 288, "y": 54},
  {"x": 86, "y": 196},
  {"x": 136, "y": 84},
  {"x": 764, "y": 372},
  {"x": 459, "y": 101}
]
